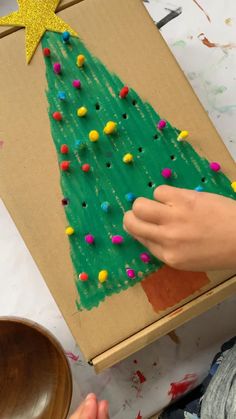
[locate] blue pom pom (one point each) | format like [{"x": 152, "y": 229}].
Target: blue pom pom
[
  {"x": 105, "y": 206},
  {"x": 66, "y": 36},
  {"x": 61, "y": 95},
  {"x": 199, "y": 189},
  {"x": 130, "y": 197}
]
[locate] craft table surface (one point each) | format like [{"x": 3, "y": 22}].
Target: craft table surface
[{"x": 141, "y": 385}]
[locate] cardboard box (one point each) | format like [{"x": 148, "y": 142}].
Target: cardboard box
[{"x": 29, "y": 176}]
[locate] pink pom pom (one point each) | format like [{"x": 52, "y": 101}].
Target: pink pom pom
[
  {"x": 161, "y": 124},
  {"x": 76, "y": 84},
  {"x": 215, "y": 167},
  {"x": 57, "y": 68},
  {"x": 145, "y": 257},
  {"x": 89, "y": 238},
  {"x": 166, "y": 173},
  {"x": 130, "y": 273},
  {"x": 117, "y": 239}
]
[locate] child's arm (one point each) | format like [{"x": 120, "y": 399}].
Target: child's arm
[{"x": 186, "y": 229}]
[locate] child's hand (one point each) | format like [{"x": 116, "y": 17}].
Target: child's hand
[
  {"x": 92, "y": 409},
  {"x": 186, "y": 229}
]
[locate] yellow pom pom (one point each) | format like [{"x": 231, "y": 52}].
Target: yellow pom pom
[
  {"x": 128, "y": 158},
  {"x": 69, "y": 231},
  {"x": 233, "y": 184},
  {"x": 183, "y": 135},
  {"x": 82, "y": 111},
  {"x": 102, "y": 276},
  {"x": 93, "y": 136},
  {"x": 80, "y": 60},
  {"x": 110, "y": 127}
]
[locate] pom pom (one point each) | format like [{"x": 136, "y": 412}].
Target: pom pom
[
  {"x": 89, "y": 238},
  {"x": 80, "y": 60},
  {"x": 76, "y": 84},
  {"x": 124, "y": 92},
  {"x": 57, "y": 68},
  {"x": 66, "y": 36},
  {"x": 128, "y": 158},
  {"x": 69, "y": 231},
  {"x": 46, "y": 52},
  {"x": 64, "y": 149},
  {"x": 130, "y": 197},
  {"x": 102, "y": 276},
  {"x": 117, "y": 239},
  {"x": 83, "y": 276},
  {"x": 161, "y": 124},
  {"x": 82, "y": 111},
  {"x": 61, "y": 95},
  {"x": 199, "y": 188},
  {"x": 57, "y": 116},
  {"x": 166, "y": 173},
  {"x": 130, "y": 273},
  {"x": 65, "y": 165},
  {"x": 145, "y": 257},
  {"x": 85, "y": 167},
  {"x": 105, "y": 206},
  {"x": 233, "y": 186},
  {"x": 215, "y": 167},
  {"x": 93, "y": 136},
  {"x": 110, "y": 128},
  {"x": 183, "y": 135}
]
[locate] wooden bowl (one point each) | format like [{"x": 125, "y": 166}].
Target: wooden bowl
[{"x": 35, "y": 377}]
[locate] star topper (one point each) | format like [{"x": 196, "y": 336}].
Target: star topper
[{"x": 36, "y": 16}]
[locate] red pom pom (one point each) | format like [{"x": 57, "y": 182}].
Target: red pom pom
[
  {"x": 124, "y": 92},
  {"x": 46, "y": 52},
  {"x": 86, "y": 167},
  {"x": 57, "y": 116},
  {"x": 64, "y": 149},
  {"x": 65, "y": 165},
  {"x": 83, "y": 276}
]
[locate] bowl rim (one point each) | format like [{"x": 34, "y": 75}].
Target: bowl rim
[{"x": 55, "y": 343}]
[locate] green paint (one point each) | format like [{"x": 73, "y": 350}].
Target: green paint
[
  {"x": 180, "y": 43},
  {"x": 99, "y": 86}
]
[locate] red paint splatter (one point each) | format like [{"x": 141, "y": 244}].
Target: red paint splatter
[
  {"x": 182, "y": 386},
  {"x": 139, "y": 416},
  {"x": 141, "y": 377},
  {"x": 72, "y": 356},
  {"x": 210, "y": 44},
  {"x": 201, "y": 8}
]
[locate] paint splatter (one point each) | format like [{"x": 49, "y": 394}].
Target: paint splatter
[
  {"x": 139, "y": 416},
  {"x": 135, "y": 361},
  {"x": 1, "y": 144},
  {"x": 181, "y": 387},
  {"x": 172, "y": 15},
  {"x": 210, "y": 44},
  {"x": 174, "y": 337},
  {"x": 72, "y": 356},
  {"x": 141, "y": 377},
  {"x": 228, "y": 21},
  {"x": 201, "y": 8},
  {"x": 180, "y": 43}
]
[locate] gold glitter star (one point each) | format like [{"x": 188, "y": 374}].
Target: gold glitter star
[{"x": 36, "y": 16}]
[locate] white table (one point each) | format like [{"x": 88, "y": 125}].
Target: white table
[{"x": 212, "y": 73}]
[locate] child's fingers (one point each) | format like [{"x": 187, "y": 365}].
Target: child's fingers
[
  {"x": 88, "y": 409},
  {"x": 150, "y": 211},
  {"x": 154, "y": 248},
  {"x": 103, "y": 410},
  {"x": 137, "y": 227},
  {"x": 169, "y": 195}
]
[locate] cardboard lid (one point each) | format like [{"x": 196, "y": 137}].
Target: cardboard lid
[{"x": 123, "y": 36}]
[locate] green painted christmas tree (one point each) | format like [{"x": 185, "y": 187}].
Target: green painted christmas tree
[{"x": 112, "y": 147}]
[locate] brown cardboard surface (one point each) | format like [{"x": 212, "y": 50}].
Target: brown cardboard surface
[{"x": 122, "y": 35}]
